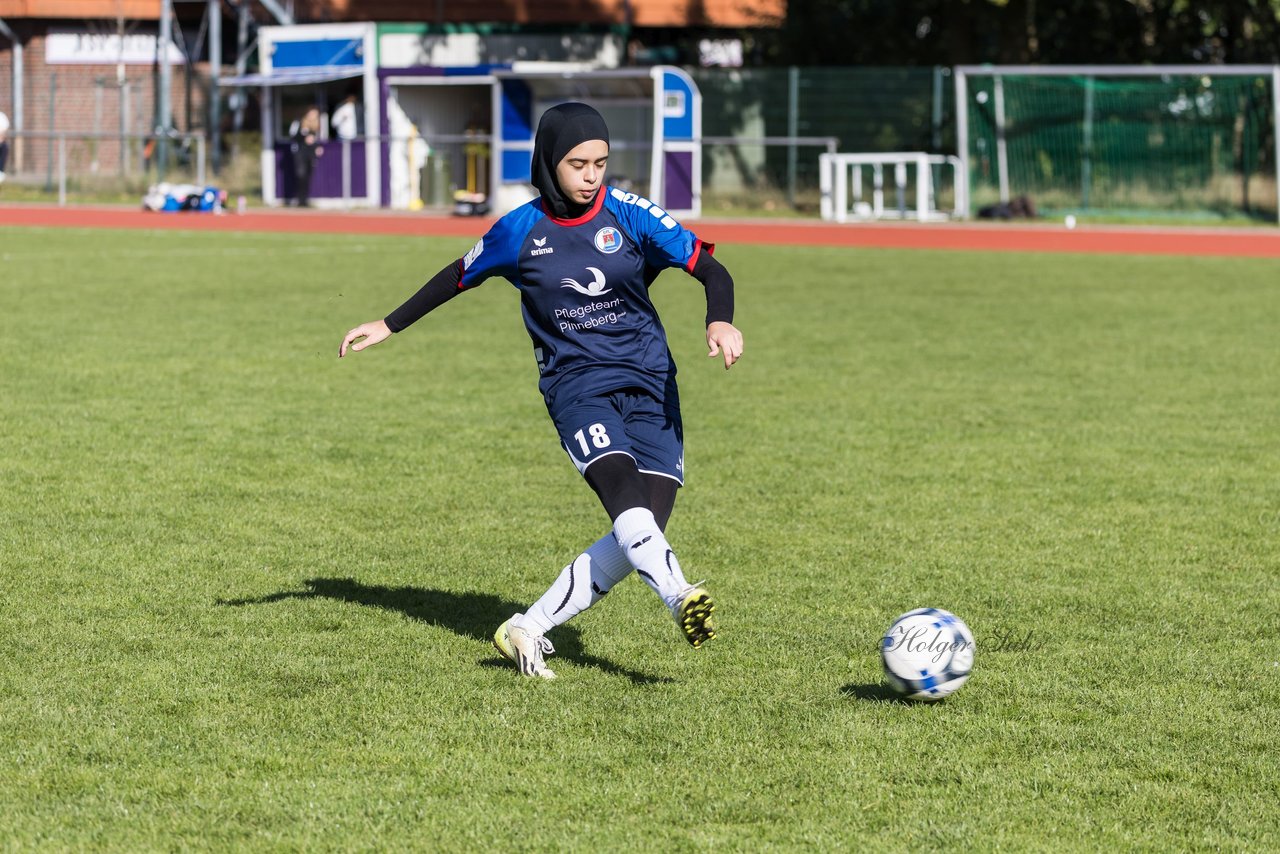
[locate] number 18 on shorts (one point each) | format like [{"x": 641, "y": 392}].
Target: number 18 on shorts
[{"x": 634, "y": 424}]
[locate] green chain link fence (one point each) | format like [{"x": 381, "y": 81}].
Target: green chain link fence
[{"x": 865, "y": 109}]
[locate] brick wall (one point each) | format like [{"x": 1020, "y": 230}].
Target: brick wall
[
  {"x": 87, "y": 99},
  {"x": 644, "y": 13},
  {"x": 131, "y": 9}
]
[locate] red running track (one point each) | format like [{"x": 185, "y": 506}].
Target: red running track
[{"x": 1242, "y": 243}]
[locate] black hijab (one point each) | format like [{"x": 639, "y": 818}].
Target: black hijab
[{"x": 560, "y": 130}]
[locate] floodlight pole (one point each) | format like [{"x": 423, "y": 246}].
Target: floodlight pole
[
  {"x": 164, "y": 119},
  {"x": 242, "y": 59},
  {"x": 122, "y": 88},
  {"x": 215, "y": 71}
]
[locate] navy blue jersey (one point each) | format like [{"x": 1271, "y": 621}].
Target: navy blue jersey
[{"x": 584, "y": 291}]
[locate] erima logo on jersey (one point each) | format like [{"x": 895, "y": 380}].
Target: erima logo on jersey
[
  {"x": 645, "y": 205},
  {"x": 470, "y": 257},
  {"x": 592, "y": 289},
  {"x": 549, "y": 250}
]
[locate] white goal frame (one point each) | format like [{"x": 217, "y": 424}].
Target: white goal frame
[{"x": 998, "y": 72}]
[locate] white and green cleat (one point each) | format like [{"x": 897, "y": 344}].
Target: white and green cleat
[
  {"x": 694, "y": 616},
  {"x": 523, "y": 649}
]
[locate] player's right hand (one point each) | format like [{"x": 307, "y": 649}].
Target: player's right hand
[{"x": 373, "y": 332}]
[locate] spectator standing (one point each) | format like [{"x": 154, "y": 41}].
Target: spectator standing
[
  {"x": 346, "y": 119},
  {"x": 305, "y": 148}
]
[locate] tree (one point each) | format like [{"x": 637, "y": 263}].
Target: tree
[{"x": 952, "y": 32}]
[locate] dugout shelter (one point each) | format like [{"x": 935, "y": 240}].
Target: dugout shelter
[
  {"x": 655, "y": 127},
  {"x": 431, "y": 130},
  {"x": 301, "y": 65}
]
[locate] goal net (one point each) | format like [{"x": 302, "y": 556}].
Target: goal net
[{"x": 1121, "y": 140}]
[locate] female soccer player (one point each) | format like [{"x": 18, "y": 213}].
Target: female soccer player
[{"x": 583, "y": 256}]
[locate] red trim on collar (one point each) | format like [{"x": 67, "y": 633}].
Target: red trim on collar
[{"x": 595, "y": 209}]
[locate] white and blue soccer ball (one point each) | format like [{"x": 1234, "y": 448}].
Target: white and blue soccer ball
[{"x": 927, "y": 654}]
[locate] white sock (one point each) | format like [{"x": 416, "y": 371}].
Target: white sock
[
  {"x": 580, "y": 585},
  {"x": 649, "y": 552}
]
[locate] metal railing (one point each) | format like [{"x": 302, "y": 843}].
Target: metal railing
[
  {"x": 790, "y": 143},
  {"x": 747, "y": 172},
  {"x": 27, "y": 158}
]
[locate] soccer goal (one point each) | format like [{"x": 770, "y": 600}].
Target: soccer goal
[{"x": 1146, "y": 140}]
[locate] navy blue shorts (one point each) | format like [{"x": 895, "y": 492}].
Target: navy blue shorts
[{"x": 631, "y": 422}]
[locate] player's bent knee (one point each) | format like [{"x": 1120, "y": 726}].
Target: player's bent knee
[{"x": 618, "y": 483}]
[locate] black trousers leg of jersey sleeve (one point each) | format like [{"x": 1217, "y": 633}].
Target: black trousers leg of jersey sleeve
[{"x": 621, "y": 486}]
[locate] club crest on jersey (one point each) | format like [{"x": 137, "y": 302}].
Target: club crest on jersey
[
  {"x": 608, "y": 240},
  {"x": 542, "y": 248},
  {"x": 593, "y": 288}
]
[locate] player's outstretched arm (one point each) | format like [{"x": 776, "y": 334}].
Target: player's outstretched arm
[
  {"x": 442, "y": 287},
  {"x": 373, "y": 332},
  {"x": 724, "y": 338}
]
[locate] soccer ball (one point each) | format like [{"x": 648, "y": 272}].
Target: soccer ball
[{"x": 927, "y": 654}]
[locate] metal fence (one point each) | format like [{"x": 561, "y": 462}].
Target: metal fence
[
  {"x": 763, "y": 132},
  {"x": 867, "y": 109},
  {"x": 739, "y": 173},
  {"x": 101, "y": 163},
  {"x": 863, "y": 109}
]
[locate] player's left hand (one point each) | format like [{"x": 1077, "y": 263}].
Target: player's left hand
[{"x": 724, "y": 337}]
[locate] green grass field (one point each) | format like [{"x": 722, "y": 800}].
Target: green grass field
[{"x": 248, "y": 589}]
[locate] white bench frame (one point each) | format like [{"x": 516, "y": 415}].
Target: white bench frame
[{"x": 835, "y": 180}]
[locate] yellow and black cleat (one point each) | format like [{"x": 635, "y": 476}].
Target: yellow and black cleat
[{"x": 694, "y": 616}]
